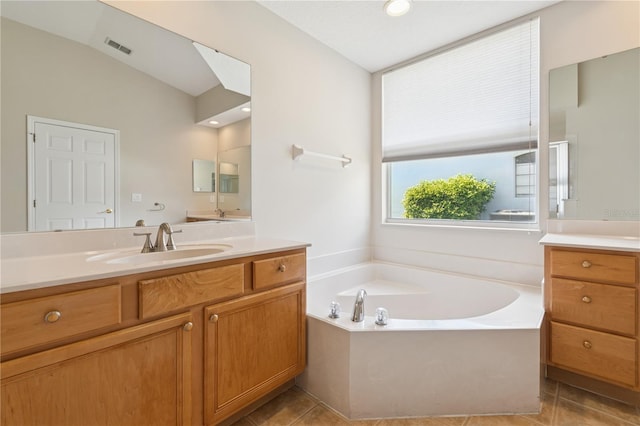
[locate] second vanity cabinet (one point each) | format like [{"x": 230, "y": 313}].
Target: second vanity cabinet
[
  {"x": 181, "y": 346},
  {"x": 592, "y": 301}
]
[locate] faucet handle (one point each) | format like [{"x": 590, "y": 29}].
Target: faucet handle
[
  {"x": 171, "y": 245},
  {"x": 147, "y": 242}
]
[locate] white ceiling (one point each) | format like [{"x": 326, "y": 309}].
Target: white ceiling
[
  {"x": 364, "y": 34},
  {"x": 357, "y": 29}
]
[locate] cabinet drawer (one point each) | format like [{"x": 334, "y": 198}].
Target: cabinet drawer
[
  {"x": 614, "y": 268},
  {"x": 279, "y": 270},
  {"x": 603, "y": 355},
  {"x": 47, "y": 319},
  {"x": 603, "y": 306},
  {"x": 162, "y": 295}
]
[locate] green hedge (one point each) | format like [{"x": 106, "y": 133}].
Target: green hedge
[{"x": 459, "y": 197}]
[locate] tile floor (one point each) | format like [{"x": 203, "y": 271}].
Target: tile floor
[{"x": 562, "y": 405}]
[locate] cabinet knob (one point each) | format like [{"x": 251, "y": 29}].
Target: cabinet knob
[
  {"x": 188, "y": 326},
  {"x": 52, "y": 316},
  {"x": 587, "y": 344},
  {"x": 213, "y": 318},
  {"x": 586, "y": 264},
  {"x": 586, "y": 299},
  {"x": 282, "y": 267}
]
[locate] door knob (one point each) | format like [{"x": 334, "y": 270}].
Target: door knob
[{"x": 108, "y": 211}]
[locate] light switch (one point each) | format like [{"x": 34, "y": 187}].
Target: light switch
[{"x": 136, "y": 198}]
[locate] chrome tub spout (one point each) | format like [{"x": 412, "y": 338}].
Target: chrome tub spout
[{"x": 358, "y": 307}]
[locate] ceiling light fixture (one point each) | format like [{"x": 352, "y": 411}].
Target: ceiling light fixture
[
  {"x": 397, "y": 7},
  {"x": 214, "y": 122}
]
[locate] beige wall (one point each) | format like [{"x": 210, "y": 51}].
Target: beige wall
[{"x": 52, "y": 77}]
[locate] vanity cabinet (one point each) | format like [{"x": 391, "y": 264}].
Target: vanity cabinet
[
  {"x": 189, "y": 345},
  {"x": 592, "y": 302},
  {"x": 252, "y": 346},
  {"x": 135, "y": 376}
]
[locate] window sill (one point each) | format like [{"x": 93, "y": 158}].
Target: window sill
[{"x": 529, "y": 227}]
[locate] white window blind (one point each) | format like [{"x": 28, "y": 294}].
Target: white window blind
[{"x": 478, "y": 97}]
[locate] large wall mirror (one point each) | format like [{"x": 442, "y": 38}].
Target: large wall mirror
[
  {"x": 119, "y": 110},
  {"x": 594, "y": 139}
]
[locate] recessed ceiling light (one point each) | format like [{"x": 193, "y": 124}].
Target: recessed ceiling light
[
  {"x": 246, "y": 109},
  {"x": 213, "y": 122},
  {"x": 397, "y": 7}
]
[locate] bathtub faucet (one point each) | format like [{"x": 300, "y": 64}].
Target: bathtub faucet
[{"x": 358, "y": 307}]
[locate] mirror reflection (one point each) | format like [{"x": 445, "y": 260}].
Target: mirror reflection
[
  {"x": 204, "y": 176},
  {"x": 152, "y": 103},
  {"x": 229, "y": 178},
  {"x": 594, "y": 135},
  {"x": 235, "y": 169}
]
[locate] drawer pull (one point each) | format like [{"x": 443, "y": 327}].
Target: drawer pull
[
  {"x": 188, "y": 326},
  {"x": 587, "y": 344},
  {"x": 282, "y": 267},
  {"x": 52, "y": 316},
  {"x": 586, "y": 264},
  {"x": 213, "y": 318},
  {"x": 586, "y": 299}
]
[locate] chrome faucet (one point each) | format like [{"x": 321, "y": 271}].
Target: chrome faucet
[
  {"x": 358, "y": 307},
  {"x": 160, "y": 245},
  {"x": 220, "y": 212},
  {"x": 165, "y": 228}
]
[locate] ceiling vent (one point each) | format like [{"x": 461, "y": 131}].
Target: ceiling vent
[{"x": 118, "y": 46}]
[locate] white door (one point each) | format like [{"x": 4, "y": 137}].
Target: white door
[{"x": 73, "y": 176}]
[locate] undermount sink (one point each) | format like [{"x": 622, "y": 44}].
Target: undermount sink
[{"x": 134, "y": 257}]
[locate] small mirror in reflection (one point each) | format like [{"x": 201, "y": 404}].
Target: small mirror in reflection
[{"x": 204, "y": 176}]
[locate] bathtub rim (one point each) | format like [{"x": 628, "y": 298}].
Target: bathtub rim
[{"x": 525, "y": 313}]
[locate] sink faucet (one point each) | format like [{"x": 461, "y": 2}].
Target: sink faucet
[
  {"x": 165, "y": 228},
  {"x": 220, "y": 212},
  {"x": 160, "y": 245},
  {"x": 358, "y": 307}
]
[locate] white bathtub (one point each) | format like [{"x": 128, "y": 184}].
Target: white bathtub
[{"x": 454, "y": 345}]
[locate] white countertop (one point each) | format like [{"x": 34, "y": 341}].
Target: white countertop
[
  {"x": 604, "y": 242},
  {"x": 26, "y": 273}
]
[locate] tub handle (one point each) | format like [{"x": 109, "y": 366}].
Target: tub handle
[
  {"x": 382, "y": 316},
  {"x": 587, "y": 344},
  {"x": 586, "y": 299},
  {"x": 586, "y": 264},
  {"x": 334, "y": 310}
]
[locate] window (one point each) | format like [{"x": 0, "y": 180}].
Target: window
[
  {"x": 460, "y": 131},
  {"x": 525, "y": 174}
]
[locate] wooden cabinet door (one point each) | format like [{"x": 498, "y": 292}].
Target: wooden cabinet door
[
  {"x": 252, "y": 346},
  {"x": 135, "y": 376}
]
